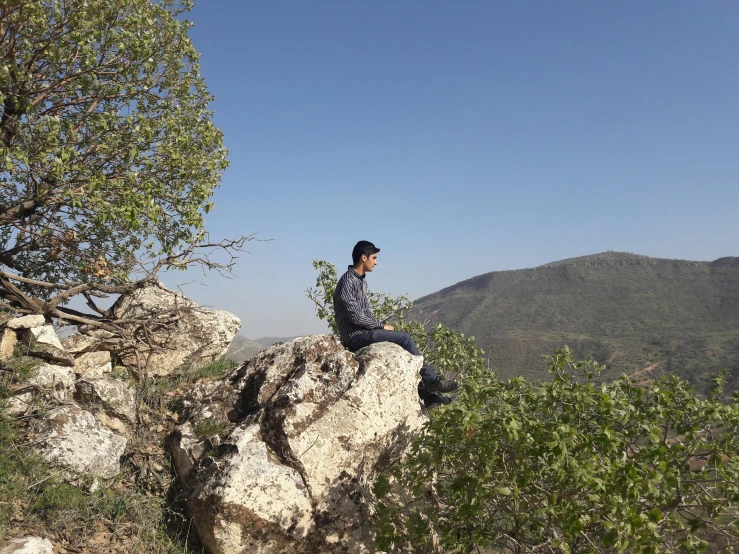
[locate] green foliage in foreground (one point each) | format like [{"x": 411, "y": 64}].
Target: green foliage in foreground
[{"x": 569, "y": 466}]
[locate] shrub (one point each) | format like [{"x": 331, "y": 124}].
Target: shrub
[{"x": 569, "y": 466}]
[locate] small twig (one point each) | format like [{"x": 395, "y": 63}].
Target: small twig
[
  {"x": 311, "y": 446},
  {"x": 42, "y": 480}
]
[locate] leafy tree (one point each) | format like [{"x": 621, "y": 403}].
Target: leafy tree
[
  {"x": 569, "y": 466},
  {"x": 108, "y": 150}
]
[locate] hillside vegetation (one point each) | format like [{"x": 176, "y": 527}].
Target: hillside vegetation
[{"x": 638, "y": 315}]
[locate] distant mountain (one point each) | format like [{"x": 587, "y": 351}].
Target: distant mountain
[
  {"x": 638, "y": 315},
  {"x": 243, "y": 349},
  {"x": 269, "y": 341}
]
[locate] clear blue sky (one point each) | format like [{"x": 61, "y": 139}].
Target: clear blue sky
[{"x": 464, "y": 137}]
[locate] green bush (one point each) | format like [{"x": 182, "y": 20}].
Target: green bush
[{"x": 569, "y": 466}]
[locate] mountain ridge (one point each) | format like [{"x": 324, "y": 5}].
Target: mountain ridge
[{"x": 629, "y": 310}]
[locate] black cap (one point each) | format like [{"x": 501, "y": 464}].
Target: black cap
[{"x": 363, "y": 247}]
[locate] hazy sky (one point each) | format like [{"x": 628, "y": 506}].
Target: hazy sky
[{"x": 464, "y": 137}]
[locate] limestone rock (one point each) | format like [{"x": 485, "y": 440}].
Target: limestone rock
[
  {"x": 77, "y": 343},
  {"x": 93, "y": 364},
  {"x": 294, "y": 475},
  {"x": 26, "y": 322},
  {"x": 186, "y": 449},
  {"x": 92, "y": 340},
  {"x": 198, "y": 336},
  {"x": 7, "y": 344},
  {"x": 45, "y": 334},
  {"x": 47, "y": 380},
  {"x": 51, "y": 354},
  {"x": 215, "y": 401},
  {"x": 117, "y": 399},
  {"x": 263, "y": 505},
  {"x": 75, "y": 442},
  {"x": 42, "y": 342},
  {"x": 27, "y": 545}
]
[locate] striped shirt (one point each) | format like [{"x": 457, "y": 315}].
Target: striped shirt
[{"x": 352, "y": 310}]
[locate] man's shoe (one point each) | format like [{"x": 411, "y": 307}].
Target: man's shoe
[
  {"x": 434, "y": 400},
  {"x": 441, "y": 385}
]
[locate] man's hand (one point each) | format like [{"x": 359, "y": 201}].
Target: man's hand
[{"x": 389, "y": 328}]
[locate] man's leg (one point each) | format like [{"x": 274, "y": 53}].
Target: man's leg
[
  {"x": 397, "y": 337},
  {"x": 430, "y": 384}
]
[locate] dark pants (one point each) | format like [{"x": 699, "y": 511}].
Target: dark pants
[{"x": 365, "y": 338}]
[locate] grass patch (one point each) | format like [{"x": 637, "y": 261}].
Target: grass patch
[
  {"x": 214, "y": 369},
  {"x": 208, "y": 429},
  {"x": 21, "y": 367}
]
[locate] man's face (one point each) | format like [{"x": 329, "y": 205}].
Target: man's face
[{"x": 369, "y": 262}]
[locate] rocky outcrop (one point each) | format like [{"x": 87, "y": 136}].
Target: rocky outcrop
[
  {"x": 78, "y": 414},
  {"x": 71, "y": 439},
  {"x": 27, "y": 545},
  {"x": 304, "y": 429},
  {"x": 183, "y": 334}
]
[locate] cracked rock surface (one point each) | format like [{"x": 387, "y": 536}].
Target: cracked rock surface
[
  {"x": 290, "y": 444},
  {"x": 65, "y": 436}
]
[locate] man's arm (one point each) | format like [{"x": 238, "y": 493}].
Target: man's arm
[{"x": 359, "y": 317}]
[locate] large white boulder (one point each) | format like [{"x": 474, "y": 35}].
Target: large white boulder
[
  {"x": 196, "y": 336},
  {"x": 71, "y": 439},
  {"x": 316, "y": 425}
]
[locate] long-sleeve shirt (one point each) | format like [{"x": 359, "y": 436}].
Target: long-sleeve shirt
[{"x": 352, "y": 310}]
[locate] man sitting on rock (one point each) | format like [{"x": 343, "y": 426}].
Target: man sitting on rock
[{"x": 359, "y": 327}]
